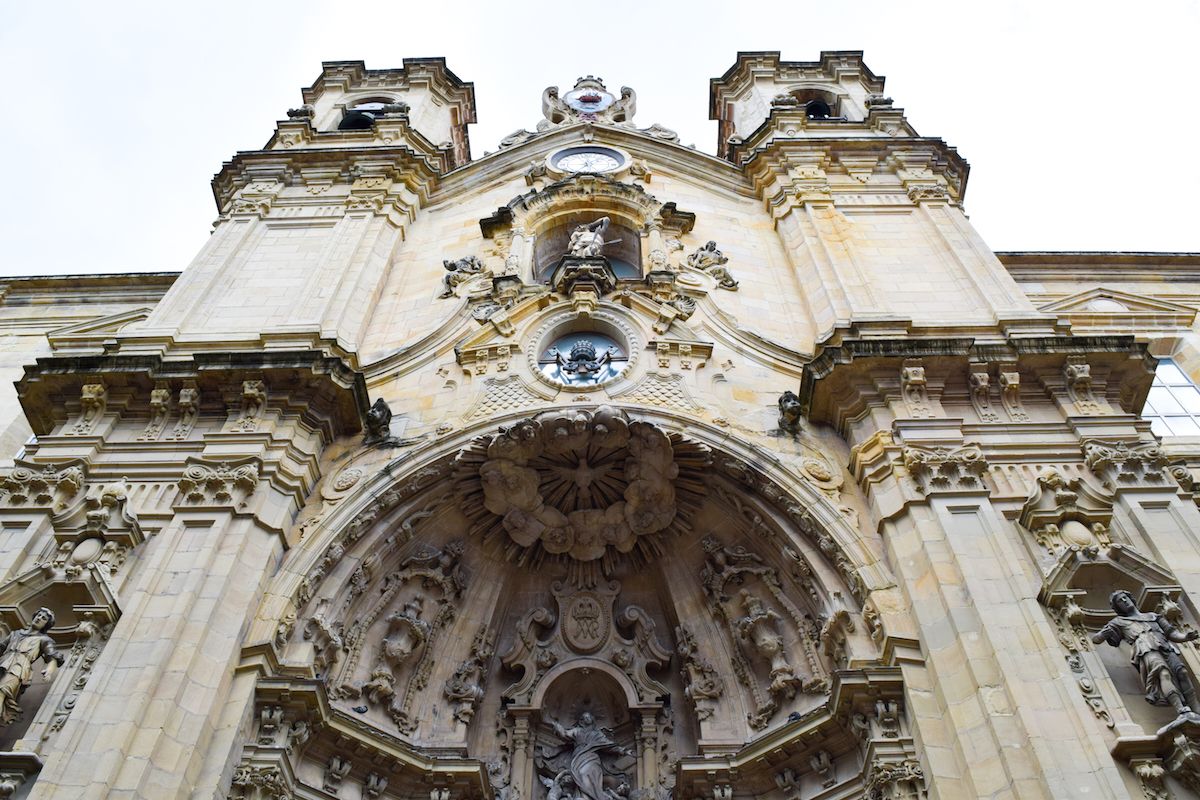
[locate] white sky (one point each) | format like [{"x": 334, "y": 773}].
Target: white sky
[{"x": 1079, "y": 118}]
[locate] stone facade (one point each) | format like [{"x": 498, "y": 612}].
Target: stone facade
[{"x": 598, "y": 467}]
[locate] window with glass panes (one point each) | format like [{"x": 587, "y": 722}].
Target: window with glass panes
[{"x": 1173, "y": 406}]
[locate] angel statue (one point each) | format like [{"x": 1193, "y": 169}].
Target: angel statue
[
  {"x": 585, "y": 776},
  {"x": 1155, "y": 651},
  {"x": 18, "y": 653}
]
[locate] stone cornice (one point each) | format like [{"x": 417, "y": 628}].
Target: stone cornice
[
  {"x": 768, "y": 160},
  {"x": 1124, "y": 359},
  {"x": 335, "y": 395},
  {"x": 398, "y": 162},
  {"x": 666, "y": 156}
]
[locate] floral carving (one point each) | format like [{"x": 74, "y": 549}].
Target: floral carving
[
  {"x": 703, "y": 684},
  {"x": 45, "y": 487},
  {"x": 1126, "y": 464},
  {"x": 946, "y": 469},
  {"x": 220, "y": 484},
  {"x": 465, "y": 687}
]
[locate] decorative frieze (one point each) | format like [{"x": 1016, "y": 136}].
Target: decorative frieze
[
  {"x": 48, "y": 487},
  {"x": 943, "y": 469},
  {"x": 221, "y": 484},
  {"x": 1127, "y": 464}
]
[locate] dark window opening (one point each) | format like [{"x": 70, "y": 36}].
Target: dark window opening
[{"x": 817, "y": 109}]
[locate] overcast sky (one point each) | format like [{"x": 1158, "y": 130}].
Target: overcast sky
[{"x": 1079, "y": 119}]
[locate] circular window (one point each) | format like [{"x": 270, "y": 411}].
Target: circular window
[
  {"x": 583, "y": 358},
  {"x": 587, "y": 158}
]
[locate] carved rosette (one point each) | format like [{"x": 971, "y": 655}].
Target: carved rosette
[{"x": 587, "y": 486}]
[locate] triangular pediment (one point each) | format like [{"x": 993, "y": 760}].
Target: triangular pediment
[
  {"x": 1103, "y": 306},
  {"x": 94, "y": 333}
]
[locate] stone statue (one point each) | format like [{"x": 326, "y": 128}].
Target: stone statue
[
  {"x": 379, "y": 422},
  {"x": 789, "y": 412},
  {"x": 587, "y": 241},
  {"x": 593, "y": 780},
  {"x": 458, "y": 272},
  {"x": 18, "y": 652},
  {"x": 1155, "y": 652},
  {"x": 711, "y": 260}
]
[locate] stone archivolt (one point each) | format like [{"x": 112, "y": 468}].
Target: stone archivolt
[{"x": 586, "y": 486}]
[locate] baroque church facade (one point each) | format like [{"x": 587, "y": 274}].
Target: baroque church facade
[{"x": 601, "y": 468}]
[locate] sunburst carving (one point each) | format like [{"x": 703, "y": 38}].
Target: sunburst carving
[{"x": 587, "y": 487}]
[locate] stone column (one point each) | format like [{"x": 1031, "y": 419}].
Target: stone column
[
  {"x": 153, "y": 708},
  {"x": 990, "y": 702}
]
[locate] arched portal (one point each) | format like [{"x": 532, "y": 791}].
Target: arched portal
[{"x": 476, "y": 593}]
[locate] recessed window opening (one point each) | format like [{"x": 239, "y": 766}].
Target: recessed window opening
[
  {"x": 1173, "y": 406},
  {"x": 817, "y": 109},
  {"x": 362, "y": 115}
]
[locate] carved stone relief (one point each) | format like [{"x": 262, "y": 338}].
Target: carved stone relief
[
  {"x": 589, "y": 487},
  {"x": 93, "y": 401},
  {"x": 764, "y": 663},
  {"x": 711, "y": 261},
  {"x": 586, "y": 624},
  {"x": 945, "y": 469},
  {"x": 385, "y": 654}
]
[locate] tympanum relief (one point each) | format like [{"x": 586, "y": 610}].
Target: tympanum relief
[{"x": 522, "y": 612}]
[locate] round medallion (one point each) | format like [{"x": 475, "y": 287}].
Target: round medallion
[
  {"x": 588, "y": 158},
  {"x": 587, "y": 358},
  {"x": 347, "y": 478}
]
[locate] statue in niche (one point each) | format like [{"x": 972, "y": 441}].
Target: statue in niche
[
  {"x": 18, "y": 653},
  {"x": 711, "y": 260},
  {"x": 459, "y": 271},
  {"x": 1155, "y": 651},
  {"x": 586, "y": 776},
  {"x": 406, "y": 633},
  {"x": 587, "y": 241},
  {"x": 760, "y": 627}
]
